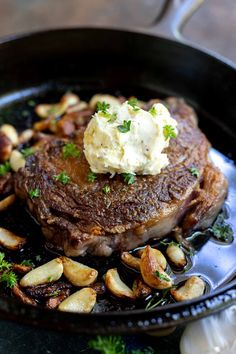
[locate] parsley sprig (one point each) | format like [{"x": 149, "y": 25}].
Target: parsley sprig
[
  {"x": 194, "y": 171},
  {"x": 27, "y": 152},
  {"x": 161, "y": 276},
  {"x": 153, "y": 111},
  {"x": 129, "y": 178},
  {"x": 169, "y": 132},
  {"x": 106, "y": 189},
  {"x": 8, "y": 277},
  {"x": 114, "y": 345},
  {"x": 34, "y": 193},
  {"x": 125, "y": 127},
  {"x": 62, "y": 177},
  {"x": 133, "y": 102},
  {"x": 91, "y": 177},
  {"x": 221, "y": 229},
  {"x": 103, "y": 107},
  {"x": 70, "y": 150},
  {"x": 4, "y": 168}
]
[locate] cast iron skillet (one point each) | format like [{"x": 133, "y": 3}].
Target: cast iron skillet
[{"x": 90, "y": 60}]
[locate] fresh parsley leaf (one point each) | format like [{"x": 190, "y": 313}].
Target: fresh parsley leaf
[
  {"x": 27, "y": 152},
  {"x": 171, "y": 243},
  {"x": 54, "y": 293},
  {"x": 106, "y": 189},
  {"x": 158, "y": 298},
  {"x": 50, "y": 279},
  {"x": 133, "y": 102},
  {"x": 102, "y": 107},
  {"x": 25, "y": 113},
  {"x": 129, "y": 178},
  {"x": 4, "y": 168},
  {"x": 194, "y": 171},
  {"x": 34, "y": 193},
  {"x": 91, "y": 177},
  {"x": 143, "y": 351},
  {"x": 27, "y": 263},
  {"x": 70, "y": 150},
  {"x": 9, "y": 278},
  {"x": 108, "y": 344},
  {"x": 153, "y": 111},
  {"x": 31, "y": 103},
  {"x": 125, "y": 127},
  {"x": 4, "y": 265},
  {"x": 169, "y": 132},
  {"x": 161, "y": 276},
  {"x": 62, "y": 177},
  {"x": 38, "y": 258},
  {"x": 221, "y": 229}
]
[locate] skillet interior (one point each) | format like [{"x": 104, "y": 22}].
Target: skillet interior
[{"x": 90, "y": 61}]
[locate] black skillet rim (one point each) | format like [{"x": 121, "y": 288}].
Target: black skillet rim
[{"x": 132, "y": 320}]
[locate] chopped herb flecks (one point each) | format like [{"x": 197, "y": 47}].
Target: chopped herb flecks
[
  {"x": 70, "y": 150},
  {"x": 129, "y": 178},
  {"x": 102, "y": 107},
  {"x": 27, "y": 263},
  {"x": 169, "y": 132},
  {"x": 194, "y": 171},
  {"x": 133, "y": 102},
  {"x": 27, "y": 152},
  {"x": 9, "y": 278},
  {"x": 34, "y": 193},
  {"x": 125, "y": 127},
  {"x": 153, "y": 111},
  {"x": 161, "y": 276},
  {"x": 91, "y": 177},
  {"x": 106, "y": 189},
  {"x": 221, "y": 229},
  {"x": 4, "y": 168},
  {"x": 4, "y": 265},
  {"x": 62, "y": 177}
]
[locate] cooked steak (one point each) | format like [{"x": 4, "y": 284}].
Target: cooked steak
[{"x": 78, "y": 217}]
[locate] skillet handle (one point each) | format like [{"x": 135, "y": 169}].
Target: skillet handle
[{"x": 173, "y": 17}]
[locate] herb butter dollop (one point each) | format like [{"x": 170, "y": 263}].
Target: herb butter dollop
[{"x": 128, "y": 139}]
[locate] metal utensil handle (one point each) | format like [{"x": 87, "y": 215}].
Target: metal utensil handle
[{"x": 173, "y": 17}]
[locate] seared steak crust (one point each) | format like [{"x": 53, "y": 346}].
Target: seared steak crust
[{"x": 79, "y": 217}]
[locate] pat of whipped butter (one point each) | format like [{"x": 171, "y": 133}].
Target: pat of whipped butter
[{"x": 128, "y": 139}]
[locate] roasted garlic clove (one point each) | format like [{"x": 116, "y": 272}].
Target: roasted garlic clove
[
  {"x": 46, "y": 273},
  {"x": 17, "y": 160},
  {"x": 152, "y": 272},
  {"x": 158, "y": 254},
  {"x": 131, "y": 261},
  {"x": 192, "y": 288},
  {"x": 77, "y": 273},
  {"x": 11, "y": 133},
  {"x": 176, "y": 255},
  {"x": 10, "y": 240},
  {"x": 81, "y": 301},
  {"x": 116, "y": 286},
  {"x": 7, "y": 202}
]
